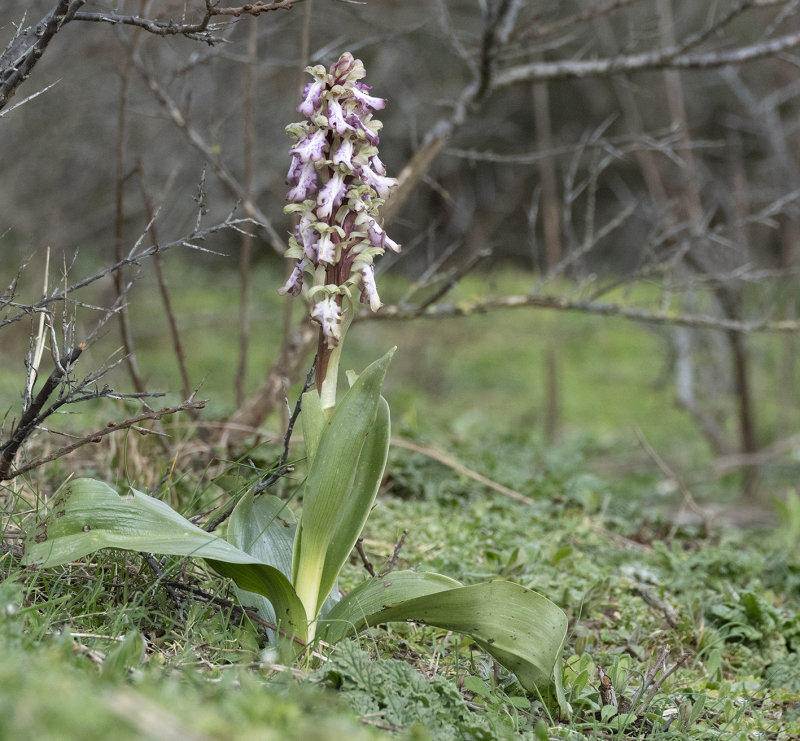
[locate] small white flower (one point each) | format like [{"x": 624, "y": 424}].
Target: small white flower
[
  {"x": 328, "y": 314},
  {"x": 369, "y": 290}
]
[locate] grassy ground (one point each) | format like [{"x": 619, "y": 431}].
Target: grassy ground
[{"x": 108, "y": 645}]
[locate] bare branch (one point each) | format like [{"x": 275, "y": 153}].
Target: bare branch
[
  {"x": 220, "y": 169},
  {"x": 27, "y": 47},
  {"x": 95, "y": 437},
  {"x": 671, "y": 58},
  {"x": 201, "y": 30},
  {"x": 133, "y": 258},
  {"x": 559, "y": 303}
]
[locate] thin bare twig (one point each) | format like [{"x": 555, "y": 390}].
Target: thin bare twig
[
  {"x": 177, "y": 344},
  {"x": 364, "y": 559},
  {"x": 688, "y": 499},
  {"x": 35, "y": 413},
  {"x": 395, "y": 555},
  {"x": 95, "y": 437},
  {"x": 28, "y": 46},
  {"x": 222, "y": 172},
  {"x": 278, "y": 470}
]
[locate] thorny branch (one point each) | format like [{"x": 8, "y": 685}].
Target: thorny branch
[
  {"x": 222, "y": 172},
  {"x": 134, "y": 257},
  {"x": 36, "y": 412},
  {"x": 201, "y": 30},
  {"x": 27, "y": 47},
  {"x": 29, "y": 44},
  {"x": 95, "y": 437},
  {"x": 672, "y": 58}
]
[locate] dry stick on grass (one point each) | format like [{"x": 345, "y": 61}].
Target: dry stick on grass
[
  {"x": 370, "y": 569},
  {"x": 446, "y": 460},
  {"x": 391, "y": 564},
  {"x": 670, "y": 614},
  {"x": 653, "y": 681},
  {"x": 688, "y": 500},
  {"x": 395, "y": 554}
]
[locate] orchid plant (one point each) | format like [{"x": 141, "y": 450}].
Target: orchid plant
[{"x": 287, "y": 566}]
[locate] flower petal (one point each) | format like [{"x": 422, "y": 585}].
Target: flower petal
[
  {"x": 306, "y": 184},
  {"x": 326, "y": 251},
  {"x": 360, "y": 91},
  {"x": 381, "y": 184},
  {"x": 295, "y": 283},
  {"x": 311, "y": 99},
  {"x": 330, "y": 197},
  {"x": 344, "y": 153},
  {"x": 312, "y": 148},
  {"x": 336, "y": 117},
  {"x": 369, "y": 290}
]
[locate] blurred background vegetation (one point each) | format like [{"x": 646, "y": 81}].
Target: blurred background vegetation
[{"x": 655, "y": 180}]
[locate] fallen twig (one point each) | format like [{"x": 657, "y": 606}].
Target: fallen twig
[{"x": 446, "y": 460}]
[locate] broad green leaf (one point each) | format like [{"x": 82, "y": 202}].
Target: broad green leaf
[
  {"x": 357, "y": 608},
  {"x": 264, "y": 527},
  {"x": 520, "y": 628},
  {"x": 341, "y": 485},
  {"x": 88, "y": 515},
  {"x": 356, "y": 505}
]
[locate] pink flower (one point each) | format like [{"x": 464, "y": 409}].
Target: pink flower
[
  {"x": 336, "y": 117},
  {"x": 377, "y": 164},
  {"x": 345, "y": 66},
  {"x": 308, "y": 237},
  {"x": 295, "y": 283},
  {"x": 360, "y": 91},
  {"x": 344, "y": 153},
  {"x": 306, "y": 183},
  {"x": 379, "y": 238},
  {"x": 312, "y": 148},
  {"x": 382, "y": 185},
  {"x": 326, "y": 251},
  {"x": 311, "y": 97},
  {"x": 330, "y": 197}
]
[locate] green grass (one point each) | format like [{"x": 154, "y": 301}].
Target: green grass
[{"x": 105, "y": 644}]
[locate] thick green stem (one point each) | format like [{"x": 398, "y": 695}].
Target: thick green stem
[{"x": 328, "y": 363}]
